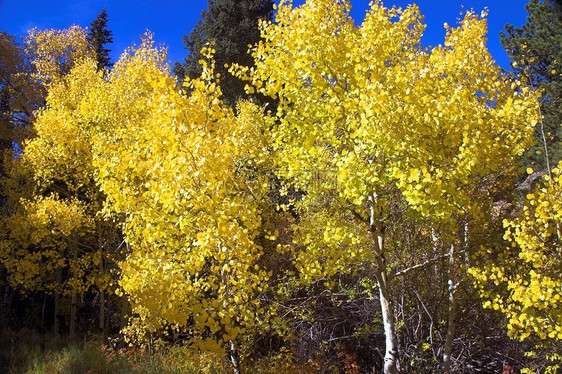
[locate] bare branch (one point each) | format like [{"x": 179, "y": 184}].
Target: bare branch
[{"x": 418, "y": 266}]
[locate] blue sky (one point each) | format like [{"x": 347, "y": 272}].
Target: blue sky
[{"x": 170, "y": 19}]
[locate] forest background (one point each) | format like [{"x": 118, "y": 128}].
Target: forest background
[{"x": 336, "y": 198}]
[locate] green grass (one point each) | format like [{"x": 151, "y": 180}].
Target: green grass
[{"x": 29, "y": 353}]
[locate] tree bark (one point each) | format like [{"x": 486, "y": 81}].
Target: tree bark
[
  {"x": 56, "y": 327},
  {"x": 102, "y": 312},
  {"x": 107, "y": 320},
  {"x": 234, "y": 358},
  {"x": 377, "y": 233},
  {"x": 101, "y": 271},
  {"x": 123, "y": 320},
  {"x": 43, "y": 313},
  {"x": 391, "y": 351},
  {"x": 73, "y": 306},
  {"x": 73, "y": 316},
  {"x": 6, "y": 302},
  {"x": 452, "y": 313}
]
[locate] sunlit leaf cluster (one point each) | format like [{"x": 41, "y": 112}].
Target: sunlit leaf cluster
[
  {"x": 529, "y": 271},
  {"x": 382, "y": 159},
  {"x": 171, "y": 165},
  {"x": 366, "y": 110},
  {"x": 54, "y": 52}
]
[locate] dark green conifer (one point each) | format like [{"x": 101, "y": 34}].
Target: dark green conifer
[
  {"x": 536, "y": 51},
  {"x": 233, "y": 26},
  {"x": 98, "y": 37}
]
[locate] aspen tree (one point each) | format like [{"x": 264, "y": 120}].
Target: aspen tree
[
  {"x": 524, "y": 279},
  {"x": 171, "y": 165},
  {"x": 380, "y": 115}
]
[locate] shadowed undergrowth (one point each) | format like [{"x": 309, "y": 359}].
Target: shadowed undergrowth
[{"x": 26, "y": 352}]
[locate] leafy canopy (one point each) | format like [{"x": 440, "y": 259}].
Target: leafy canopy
[
  {"x": 171, "y": 165},
  {"x": 536, "y": 51},
  {"x": 371, "y": 109}
]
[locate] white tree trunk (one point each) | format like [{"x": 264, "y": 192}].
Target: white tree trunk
[
  {"x": 101, "y": 271},
  {"x": 391, "y": 350},
  {"x": 73, "y": 305},
  {"x": 377, "y": 233},
  {"x": 234, "y": 358},
  {"x": 452, "y": 313}
]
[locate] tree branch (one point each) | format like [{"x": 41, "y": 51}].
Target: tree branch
[{"x": 418, "y": 266}]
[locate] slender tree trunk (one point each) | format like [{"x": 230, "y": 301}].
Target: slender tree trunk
[
  {"x": 43, "y": 313},
  {"x": 56, "y": 321},
  {"x": 123, "y": 320},
  {"x": 391, "y": 351},
  {"x": 234, "y": 358},
  {"x": 102, "y": 310},
  {"x": 452, "y": 313},
  {"x": 56, "y": 327},
  {"x": 73, "y": 306},
  {"x": 107, "y": 317},
  {"x": 73, "y": 316},
  {"x": 7, "y": 302},
  {"x": 101, "y": 272},
  {"x": 377, "y": 233}
]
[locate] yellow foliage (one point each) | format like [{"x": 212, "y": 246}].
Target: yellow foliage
[
  {"x": 50, "y": 232},
  {"x": 22, "y": 93},
  {"x": 171, "y": 165},
  {"x": 55, "y": 52},
  {"x": 365, "y": 111},
  {"x": 39, "y": 242},
  {"x": 530, "y": 277},
  {"x": 61, "y": 151}
]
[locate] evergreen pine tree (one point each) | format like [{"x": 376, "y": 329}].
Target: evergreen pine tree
[
  {"x": 536, "y": 52},
  {"x": 232, "y": 25},
  {"x": 98, "y": 37}
]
